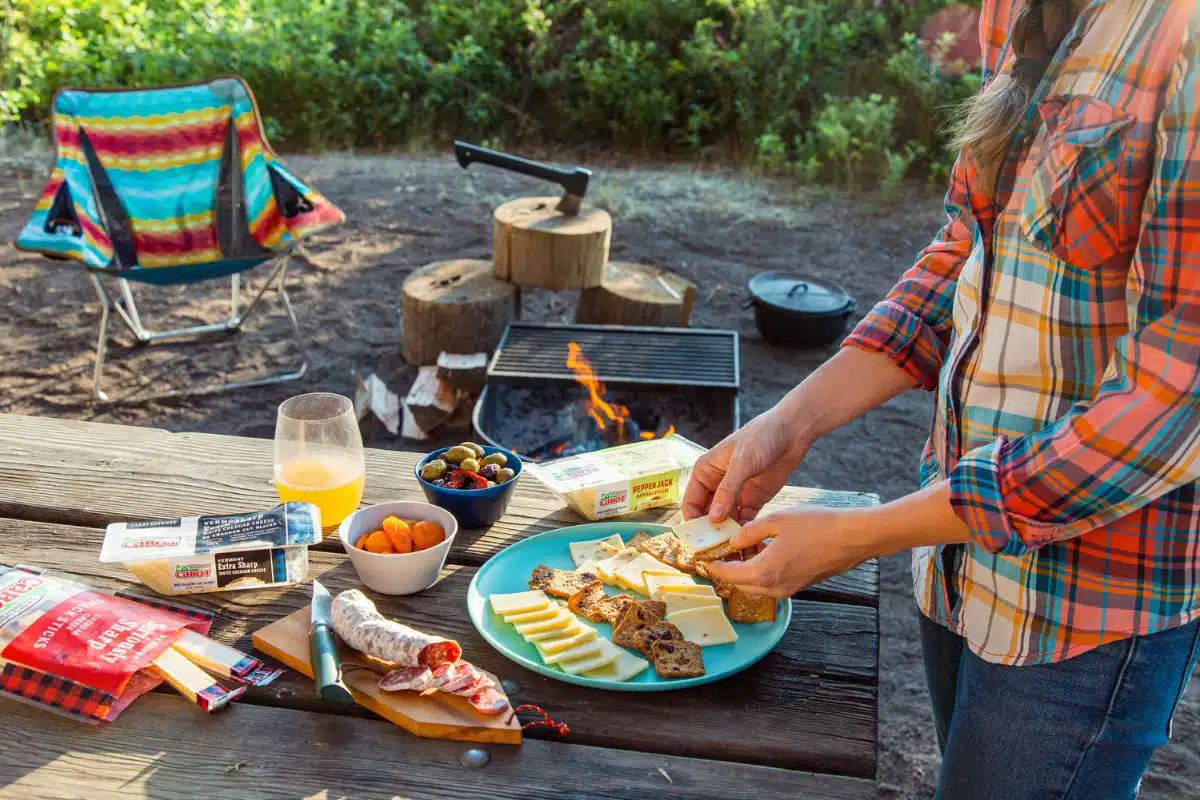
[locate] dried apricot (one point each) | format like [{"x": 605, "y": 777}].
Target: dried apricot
[
  {"x": 427, "y": 534},
  {"x": 399, "y": 533},
  {"x": 378, "y": 542}
]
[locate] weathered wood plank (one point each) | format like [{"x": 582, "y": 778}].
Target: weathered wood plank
[
  {"x": 92, "y": 474},
  {"x": 163, "y": 747},
  {"x": 811, "y": 704}
]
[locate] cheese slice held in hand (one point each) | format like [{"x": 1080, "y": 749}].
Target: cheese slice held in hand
[
  {"x": 705, "y": 626},
  {"x": 700, "y": 534},
  {"x": 583, "y": 552}
]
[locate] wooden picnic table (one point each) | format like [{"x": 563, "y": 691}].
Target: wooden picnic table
[{"x": 800, "y": 723}]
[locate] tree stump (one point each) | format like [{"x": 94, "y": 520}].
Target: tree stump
[
  {"x": 455, "y": 306},
  {"x": 535, "y": 245},
  {"x": 636, "y": 294}
]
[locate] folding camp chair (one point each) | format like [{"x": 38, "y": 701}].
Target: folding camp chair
[{"x": 172, "y": 185}]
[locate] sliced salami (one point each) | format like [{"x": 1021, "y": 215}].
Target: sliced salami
[
  {"x": 489, "y": 702},
  {"x": 460, "y": 673},
  {"x": 360, "y": 624},
  {"x": 462, "y": 678},
  {"x": 475, "y": 687},
  {"x": 409, "y": 679}
]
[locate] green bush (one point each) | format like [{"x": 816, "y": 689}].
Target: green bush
[{"x": 831, "y": 90}]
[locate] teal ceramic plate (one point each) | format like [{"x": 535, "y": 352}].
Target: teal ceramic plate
[{"x": 508, "y": 571}]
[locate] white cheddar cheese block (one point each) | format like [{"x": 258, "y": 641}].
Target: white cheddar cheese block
[
  {"x": 702, "y": 589},
  {"x": 586, "y": 650},
  {"x": 625, "y": 666},
  {"x": 583, "y": 552},
  {"x": 549, "y": 648},
  {"x": 561, "y": 633},
  {"x": 701, "y": 534},
  {"x": 682, "y": 602},
  {"x": 607, "y": 568},
  {"x": 705, "y": 626},
  {"x": 655, "y": 582},
  {"x": 609, "y": 653},
  {"x": 550, "y": 611},
  {"x": 631, "y": 575},
  {"x": 519, "y": 602},
  {"x": 561, "y": 620}
]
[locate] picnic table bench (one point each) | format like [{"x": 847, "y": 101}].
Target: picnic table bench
[{"x": 800, "y": 723}]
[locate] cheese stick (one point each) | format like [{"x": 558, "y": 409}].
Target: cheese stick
[
  {"x": 192, "y": 682},
  {"x": 215, "y": 657}
]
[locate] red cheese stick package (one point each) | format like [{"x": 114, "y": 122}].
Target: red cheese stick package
[{"x": 78, "y": 651}]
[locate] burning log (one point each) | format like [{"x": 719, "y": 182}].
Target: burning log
[{"x": 636, "y": 294}]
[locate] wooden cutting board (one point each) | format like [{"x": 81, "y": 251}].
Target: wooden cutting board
[{"x": 433, "y": 716}]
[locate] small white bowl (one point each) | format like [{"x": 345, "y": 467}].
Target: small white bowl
[{"x": 397, "y": 573}]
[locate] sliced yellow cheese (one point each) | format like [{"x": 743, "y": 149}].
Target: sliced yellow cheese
[
  {"x": 607, "y": 568},
  {"x": 519, "y": 602},
  {"x": 561, "y": 620},
  {"x": 609, "y": 653},
  {"x": 588, "y": 567},
  {"x": 625, "y": 666},
  {"x": 702, "y": 589},
  {"x": 551, "y": 610},
  {"x": 656, "y": 582},
  {"x": 659, "y": 568},
  {"x": 631, "y": 575},
  {"x": 561, "y": 633},
  {"x": 549, "y": 648},
  {"x": 593, "y": 550},
  {"x": 705, "y": 626},
  {"x": 701, "y": 534},
  {"x": 587, "y": 649},
  {"x": 682, "y": 602}
]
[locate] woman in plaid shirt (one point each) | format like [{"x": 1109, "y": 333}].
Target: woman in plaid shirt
[{"x": 1056, "y": 319}]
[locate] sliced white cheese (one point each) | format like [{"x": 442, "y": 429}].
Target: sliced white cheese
[
  {"x": 701, "y": 534},
  {"x": 550, "y": 611},
  {"x": 702, "y": 589},
  {"x": 585, "y": 650},
  {"x": 551, "y": 647},
  {"x": 682, "y": 602},
  {"x": 659, "y": 568},
  {"x": 625, "y": 666},
  {"x": 656, "y": 582},
  {"x": 631, "y": 575},
  {"x": 519, "y": 602},
  {"x": 588, "y": 567},
  {"x": 705, "y": 626},
  {"x": 593, "y": 550},
  {"x": 561, "y": 620},
  {"x": 561, "y": 633},
  {"x": 609, "y": 653},
  {"x": 607, "y": 568}
]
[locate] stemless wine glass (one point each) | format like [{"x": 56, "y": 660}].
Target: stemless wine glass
[{"x": 319, "y": 454}]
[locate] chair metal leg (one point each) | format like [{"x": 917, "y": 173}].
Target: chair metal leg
[
  {"x": 102, "y": 340},
  {"x": 235, "y": 287},
  {"x": 128, "y": 310}
]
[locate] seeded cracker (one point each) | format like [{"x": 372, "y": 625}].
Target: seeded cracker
[
  {"x": 560, "y": 582},
  {"x": 656, "y": 608},
  {"x": 677, "y": 659},
  {"x": 672, "y": 551},
  {"x": 638, "y": 538},
  {"x": 661, "y": 631},
  {"x": 594, "y": 604},
  {"x": 750, "y": 608},
  {"x": 635, "y": 618}
]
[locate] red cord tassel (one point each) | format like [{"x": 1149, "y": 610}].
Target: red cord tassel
[{"x": 545, "y": 721}]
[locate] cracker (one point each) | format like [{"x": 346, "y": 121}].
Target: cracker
[
  {"x": 593, "y": 603},
  {"x": 633, "y": 619},
  {"x": 661, "y": 631},
  {"x": 672, "y": 551},
  {"x": 560, "y": 582},
  {"x": 656, "y": 608},
  {"x": 750, "y": 608},
  {"x": 638, "y": 538},
  {"x": 674, "y": 659},
  {"x": 718, "y": 553}
]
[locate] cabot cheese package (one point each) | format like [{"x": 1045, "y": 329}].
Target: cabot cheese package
[{"x": 622, "y": 480}]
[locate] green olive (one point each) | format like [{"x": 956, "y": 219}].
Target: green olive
[
  {"x": 505, "y": 475},
  {"x": 491, "y": 484},
  {"x": 434, "y": 470},
  {"x": 476, "y": 449},
  {"x": 455, "y": 455},
  {"x": 470, "y": 464},
  {"x": 499, "y": 459}
]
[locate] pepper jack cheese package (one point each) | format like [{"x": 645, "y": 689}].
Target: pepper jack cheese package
[
  {"x": 217, "y": 554},
  {"x": 622, "y": 480}
]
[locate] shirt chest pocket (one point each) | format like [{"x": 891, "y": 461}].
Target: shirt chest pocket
[{"x": 1079, "y": 203}]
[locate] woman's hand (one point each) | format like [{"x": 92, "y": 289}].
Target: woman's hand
[
  {"x": 808, "y": 544},
  {"x": 742, "y": 473}
]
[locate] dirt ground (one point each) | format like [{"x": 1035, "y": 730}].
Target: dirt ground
[{"x": 715, "y": 229}]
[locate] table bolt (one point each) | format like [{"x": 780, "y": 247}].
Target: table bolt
[
  {"x": 474, "y": 758},
  {"x": 511, "y": 688}
]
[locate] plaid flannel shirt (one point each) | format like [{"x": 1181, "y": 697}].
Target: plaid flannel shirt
[{"x": 1058, "y": 323}]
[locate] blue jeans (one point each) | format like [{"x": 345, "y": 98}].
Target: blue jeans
[{"x": 1080, "y": 729}]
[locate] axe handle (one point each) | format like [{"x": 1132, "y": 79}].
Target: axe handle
[{"x": 574, "y": 181}]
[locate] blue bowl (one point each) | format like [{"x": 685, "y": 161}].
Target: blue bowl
[{"x": 473, "y": 508}]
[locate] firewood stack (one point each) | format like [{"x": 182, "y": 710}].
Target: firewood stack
[{"x": 455, "y": 312}]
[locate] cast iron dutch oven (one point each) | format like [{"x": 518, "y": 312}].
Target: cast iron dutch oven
[{"x": 799, "y": 311}]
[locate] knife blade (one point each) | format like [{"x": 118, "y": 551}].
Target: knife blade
[{"x": 327, "y": 667}]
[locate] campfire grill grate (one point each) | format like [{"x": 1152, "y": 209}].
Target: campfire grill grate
[{"x": 531, "y": 353}]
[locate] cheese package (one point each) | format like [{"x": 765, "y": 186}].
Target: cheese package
[
  {"x": 217, "y": 554},
  {"x": 705, "y": 626},
  {"x": 622, "y": 480}
]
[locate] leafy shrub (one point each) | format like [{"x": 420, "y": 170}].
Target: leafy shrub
[{"x": 787, "y": 86}]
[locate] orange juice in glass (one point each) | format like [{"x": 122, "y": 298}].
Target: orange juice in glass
[{"x": 319, "y": 455}]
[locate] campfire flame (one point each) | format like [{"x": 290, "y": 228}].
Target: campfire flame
[{"x": 600, "y": 410}]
